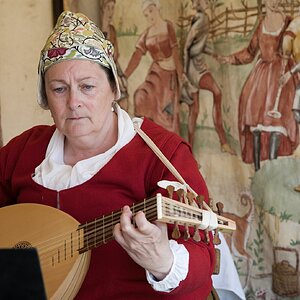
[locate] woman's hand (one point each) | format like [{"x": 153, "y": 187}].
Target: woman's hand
[
  {"x": 285, "y": 78},
  {"x": 146, "y": 243},
  {"x": 223, "y": 59},
  {"x": 185, "y": 79}
]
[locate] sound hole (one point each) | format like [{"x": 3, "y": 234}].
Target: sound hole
[{"x": 22, "y": 245}]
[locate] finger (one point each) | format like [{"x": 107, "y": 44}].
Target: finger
[
  {"x": 126, "y": 219},
  {"x": 163, "y": 228},
  {"x": 123, "y": 226},
  {"x": 128, "y": 229},
  {"x": 117, "y": 233},
  {"x": 143, "y": 225}
]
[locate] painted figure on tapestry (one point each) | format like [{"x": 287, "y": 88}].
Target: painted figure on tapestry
[
  {"x": 197, "y": 76},
  {"x": 237, "y": 241},
  {"x": 107, "y": 8},
  {"x": 263, "y": 134},
  {"x": 291, "y": 48},
  {"x": 158, "y": 96}
]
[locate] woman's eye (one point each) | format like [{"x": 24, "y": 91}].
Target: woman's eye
[
  {"x": 59, "y": 89},
  {"x": 87, "y": 87}
]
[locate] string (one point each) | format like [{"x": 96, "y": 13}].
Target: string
[{"x": 46, "y": 251}]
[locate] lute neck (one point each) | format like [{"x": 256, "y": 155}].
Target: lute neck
[
  {"x": 163, "y": 209},
  {"x": 100, "y": 231}
]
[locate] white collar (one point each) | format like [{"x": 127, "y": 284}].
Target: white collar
[{"x": 54, "y": 174}]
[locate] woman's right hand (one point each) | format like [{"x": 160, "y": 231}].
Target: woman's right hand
[
  {"x": 223, "y": 59},
  {"x": 146, "y": 243}
]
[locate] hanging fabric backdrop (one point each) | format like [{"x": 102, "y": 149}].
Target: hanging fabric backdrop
[{"x": 232, "y": 60}]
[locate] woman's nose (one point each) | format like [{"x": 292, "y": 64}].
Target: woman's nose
[{"x": 74, "y": 99}]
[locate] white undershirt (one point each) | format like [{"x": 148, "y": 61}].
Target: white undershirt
[{"x": 54, "y": 174}]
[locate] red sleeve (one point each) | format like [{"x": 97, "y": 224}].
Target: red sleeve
[
  {"x": 6, "y": 169},
  {"x": 172, "y": 35},
  {"x": 248, "y": 54},
  {"x": 141, "y": 42},
  {"x": 25, "y": 150}
]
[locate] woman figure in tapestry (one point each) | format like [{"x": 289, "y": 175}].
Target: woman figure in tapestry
[
  {"x": 197, "y": 75},
  {"x": 291, "y": 47},
  {"x": 157, "y": 97},
  {"x": 262, "y": 135},
  {"x": 107, "y": 8}
]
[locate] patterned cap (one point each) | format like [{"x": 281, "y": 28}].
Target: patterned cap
[{"x": 75, "y": 37}]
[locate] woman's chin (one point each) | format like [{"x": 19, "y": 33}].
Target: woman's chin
[{"x": 76, "y": 132}]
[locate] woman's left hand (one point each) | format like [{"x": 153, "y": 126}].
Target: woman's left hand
[
  {"x": 146, "y": 243},
  {"x": 285, "y": 78}
]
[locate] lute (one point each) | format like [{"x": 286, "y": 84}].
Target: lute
[{"x": 63, "y": 243}]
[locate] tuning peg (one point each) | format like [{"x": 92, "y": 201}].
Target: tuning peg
[
  {"x": 190, "y": 196},
  {"x": 216, "y": 240},
  {"x": 220, "y": 207},
  {"x": 200, "y": 200},
  {"x": 186, "y": 200},
  {"x": 180, "y": 193},
  {"x": 196, "y": 236},
  {"x": 170, "y": 190},
  {"x": 211, "y": 203},
  {"x": 186, "y": 235},
  {"x": 176, "y": 232}
]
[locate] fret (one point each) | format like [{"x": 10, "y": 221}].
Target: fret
[
  {"x": 72, "y": 249},
  {"x": 95, "y": 233},
  {"x": 103, "y": 231},
  {"x": 78, "y": 239},
  {"x": 86, "y": 238},
  {"x": 65, "y": 249},
  {"x": 133, "y": 214}
]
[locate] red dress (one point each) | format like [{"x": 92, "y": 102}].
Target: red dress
[
  {"x": 129, "y": 177},
  {"x": 259, "y": 93},
  {"x": 157, "y": 97}
]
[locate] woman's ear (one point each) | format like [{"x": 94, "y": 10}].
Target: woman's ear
[{"x": 114, "y": 106}]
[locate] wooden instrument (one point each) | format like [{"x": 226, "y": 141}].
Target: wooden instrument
[{"x": 63, "y": 244}]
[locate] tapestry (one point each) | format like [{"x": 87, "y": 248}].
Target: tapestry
[{"x": 223, "y": 75}]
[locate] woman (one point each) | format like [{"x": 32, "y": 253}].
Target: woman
[
  {"x": 91, "y": 163},
  {"x": 263, "y": 136},
  {"x": 197, "y": 76},
  {"x": 109, "y": 31},
  {"x": 157, "y": 97},
  {"x": 291, "y": 47}
]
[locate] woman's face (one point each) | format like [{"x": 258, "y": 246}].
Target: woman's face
[
  {"x": 272, "y": 4},
  {"x": 151, "y": 14},
  {"x": 202, "y": 4},
  {"x": 109, "y": 11},
  {"x": 79, "y": 97}
]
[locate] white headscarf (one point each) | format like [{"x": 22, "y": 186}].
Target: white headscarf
[{"x": 146, "y": 3}]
